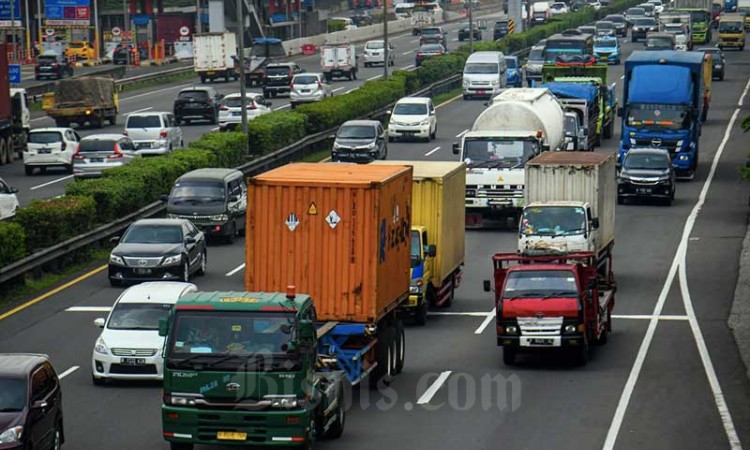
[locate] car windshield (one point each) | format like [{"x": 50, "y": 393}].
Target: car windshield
[
  {"x": 636, "y": 12},
  {"x": 540, "y": 283},
  {"x": 536, "y": 54},
  {"x": 604, "y": 26},
  {"x": 615, "y": 19},
  {"x": 670, "y": 117},
  {"x": 97, "y": 145},
  {"x": 482, "y": 68},
  {"x": 305, "y": 79},
  {"x": 276, "y": 71},
  {"x": 510, "y": 63},
  {"x": 434, "y": 48},
  {"x": 236, "y": 102},
  {"x": 410, "y": 109},
  {"x": 197, "y": 191},
  {"x": 199, "y": 96},
  {"x": 137, "y": 316},
  {"x": 144, "y": 122},
  {"x": 374, "y": 45},
  {"x": 416, "y": 252},
  {"x": 731, "y": 27},
  {"x": 45, "y": 137},
  {"x": 498, "y": 152},
  {"x": 646, "y": 161},
  {"x": 153, "y": 234},
  {"x": 501, "y": 25},
  {"x": 12, "y": 394},
  {"x": 604, "y": 42},
  {"x": 674, "y": 28},
  {"x": 356, "y": 132},
  {"x": 644, "y": 22},
  {"x": 553, "y": 221},
  {"x": 570, "y": 125},
  {"x": 659, "y": 42},
  {"x": 699, "y": 16},
  {"x": 430, "y": 31},
  {"x": 587, "y": 30}
]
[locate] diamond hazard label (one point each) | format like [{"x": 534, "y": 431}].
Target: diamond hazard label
[{"x": 333, "y": 219}]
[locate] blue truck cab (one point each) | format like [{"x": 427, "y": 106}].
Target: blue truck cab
[{"x": 662, "y": 103}]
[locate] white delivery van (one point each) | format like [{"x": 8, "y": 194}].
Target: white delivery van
[{"x": 484, "y": 74}]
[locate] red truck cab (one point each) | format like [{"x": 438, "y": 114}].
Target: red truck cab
[{"x": 549, "y": 302}]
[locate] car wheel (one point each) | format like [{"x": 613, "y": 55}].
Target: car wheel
[
  {"x": 204, "y": 263},
  {"x": 98, "y": 381},
  {"x": 434, "y": 133},
  {"x": 185, "y": 277},
  {"x": 721, "y": 77},
  {"x": 57, "y": 442},
  {"x": 229, "y": 238},
  {"x": 115, "y": 283}
]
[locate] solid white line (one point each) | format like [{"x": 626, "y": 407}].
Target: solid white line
[
  {"x": 487, "y": 320},
  {"x": 215, "y": 129},
  {"x": 410, "y": 66},
  {"x": 462, "y": 133},
  {"x": 414, "y": 41},
  {"x": 337, "y": 89},
  {"x": 468, "y": 314},
  {"x": 622, "y": 77},
  {"x": 50, "y": 182},
  {"x": 89, "y": 309},
  {"x": 432, "y": 390},
  {"x": 409, "y": 52},
  {"x": 351, "y": 90},
  {"x": 282, "y": 107},
  {"x": 374, "y": 78},
  {"x": 647, "y": 317},
  {"x": 677, "y": 262},
  {"x": 40, "y": 118},
  {"x": 182, "y": 86},
  {"x": 432, "y": 151},
  {"x": 68, "y": 372},
  {"x": 235, "y": 270},
  {"x": 139, "y": 110}
]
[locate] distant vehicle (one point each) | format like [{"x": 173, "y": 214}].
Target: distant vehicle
[
  {"x": 533, "y": 67},
  {"x": 634, "y": 13},
  {"x": 660, "y": 41},
  {"x": 731, "y": 31},
  {"x": 484, "y": 74},
  {"x": 649, "y": 9},
  {"x": 8, "y": 200},
  {"x": 413, "y": 118},
  {"x": 587, "y": 29},
  {"x": 621, "y": 25},
  {"x": 197, "y": 103},
  {"x": 540, "y": 12},
  {"x": 129, "y": 346},
  {"x": 230, "y": 109},
  {"x": 428, "y": 51},
  {"x": 403, "y": 10},
  {"x": 99, "y": 152},
  {"x": 51, "y": 65},
  {"x": 50, "y": 147},
  {"x": 31, "y": 402},
  {"x": 682, "y": 39},
  {"x": 719, "y": 61},
  {"x": 434, "y": 35},
  {"x": 339, "y": 61},
  {"x": 91, "y": 100},
  {"x": 80, "y": 50},
  {"x": 349, "y": 24},
  {"x": 658, "y": 6},
  {"x": 465, "y": 34},
  {"x": 646, "y": 173},
  {"x": 375, "y": 54},
  {"x": 605, "y": 28},
  {"x": 607, "y": 49},
  {"x": 278, "y": 78},
  {"x": 360, "y": 141},
  {"x": 361, "y": 18},
  {"x": 501, "y": 29},
  {"x": 153, "y": 133},
  {"x": 425, "y": 15},
  {"x": 122, "y": 54},
  {"x": 215, "y": 56},
  {"x": 309, "y": 87},
  {"x": 594, "y": 4},
  {"x": 513, "y": 71},
  {"x": 558, "y": 8},
  {"x": 641, "y": 28}
]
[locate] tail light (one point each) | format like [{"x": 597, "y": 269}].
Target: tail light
[
  {"x": 420, "y": 55},
  {"x": 117, "y": 154},
  {"x": 125, "y": 132},
  {"x": 163, "y": 134},
  {"x": 223, "y": 108},
  {"x": 77, "y": 155},
  {"x": 63, "y": 146}
]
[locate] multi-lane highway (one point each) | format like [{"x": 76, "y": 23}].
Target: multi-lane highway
[{"x": 670, "y": 376}]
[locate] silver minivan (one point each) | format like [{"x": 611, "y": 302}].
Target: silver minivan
[
  {"x": 153, "y": 133},
  {"x": 484, "y": 74},
  {"x": 100, "y": 152}
]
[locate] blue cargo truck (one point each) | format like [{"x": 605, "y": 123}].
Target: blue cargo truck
[{"x": 662, "y": 105}]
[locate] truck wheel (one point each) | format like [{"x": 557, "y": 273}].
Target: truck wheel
[
  {"x": 384, "y": 358},
  {"x": 29, "y": 170},
  {"x": 582, "y": 352},
  {"x": 420, "y": 318},
  {"x": 10, "y": 151},
  {"x": 400, "y": 346},
  {"x": 3, "y": 153},
  {"x": 509, "y": 355},
  {"x": 203, "y": 79},
  {"x": 337, "y": 427},
  {"x": 113, "y": 119},
  {"x": 351, "y": 75}
]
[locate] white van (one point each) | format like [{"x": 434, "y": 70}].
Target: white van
[
  {"x": 484, "y": 74},
  {"x": 403, "y": 10},
  {"x": 540, "y": 12}
]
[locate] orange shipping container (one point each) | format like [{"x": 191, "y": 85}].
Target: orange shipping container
[{"x": 338, "y": 232}]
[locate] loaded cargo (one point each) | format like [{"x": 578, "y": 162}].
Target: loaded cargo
[{"x": 82, "y": 100}]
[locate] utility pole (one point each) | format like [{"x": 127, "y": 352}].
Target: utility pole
[
  {"x": 14, "y": 54},
  {"x": 241, "y": 59},
  {"x": 385, "y": 39},
  {"x": 126, "y": 26},
  {"x": 197, "y": 16},
  {"x": 96, "y": 29},
  {"x": 29, "y": 54},
  {"x": 39, "y": 24},
  {"x": 471, "y": 27}
]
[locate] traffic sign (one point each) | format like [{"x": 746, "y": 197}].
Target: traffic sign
[
  {"x": 14, "y": 73},
  {"x": 184, "y": 31},
  {"x": 116, "y": 31},
  {"x": 49, "y": 31},
  {"x": 126, "y": 35}
]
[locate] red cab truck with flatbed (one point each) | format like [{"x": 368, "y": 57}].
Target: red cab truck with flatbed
[{"x": 550, "y": 302}]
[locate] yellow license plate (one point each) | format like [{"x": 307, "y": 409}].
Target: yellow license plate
[{"x": 231, "y": 436}]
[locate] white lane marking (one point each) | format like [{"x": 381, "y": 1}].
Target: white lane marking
[
  {"x": 648, "y": 317},
  {"x": 337, "y": 89},
  {"x": 432, "y": 390},
  {"x": 68, "y": 372},
  {"x": 50, "y": 182},
  {"x": 490, "y": 316},
  {"x": 235, "y": 270},
  {"x": 467, "y": 314},
  {"x": 622, "y": 77},
  {"x": 215, "y": 129},
  {"x": 351, "y": 90},
  {"x": 410, "y": 66},
  {"x": 409, "y": 52},
  {"x": 40, "y": 118},
  {"x": 139, "y": 110},
  {"x": 432, "y": 151},
  {"x": 282, "y": 107},
  {"x": 462, "y": 133},
  {"x": 678, "y": 263},
  {"x": 156, "y": 92},
  {"x": 374, "y": 78},
  {"x": 414, "y": 41},
  {"x": 89, "y": 309}
]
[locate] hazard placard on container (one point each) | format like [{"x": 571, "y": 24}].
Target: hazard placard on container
[{"x": 333, "y": 219}]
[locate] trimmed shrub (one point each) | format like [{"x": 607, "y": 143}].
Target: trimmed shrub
[
  {"x": 436, "y": 69},
  {"x": 49, "y": 222},
  {"x": 412, "y": 82},
  {"x": 155, "y": 175},
  {"x": 12, "y": 242},
  {"x": 229, "y": 149},
  {"x": 193, "y": 158},
  {"x": 273, "y": 131},
  {"x": 114, "y": 197}
]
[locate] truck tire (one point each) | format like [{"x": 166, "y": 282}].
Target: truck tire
[
  {"x": 509, "y": 355},
  {"x": 3, "y": 153},
  {"x": 29, "y": 170},
  {"x": 400, "y": 346},
  {"x": 337, "y": 427},
  {"x": 384, "y": 357},
  {"x": 113, "y": 119}
]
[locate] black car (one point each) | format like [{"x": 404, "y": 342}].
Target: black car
[
  {"x": 360, "y": 141},
  {"x": 123, "y": 54},
  {"x": 52, "y": 65},
  {"x": 641, "y": 27},
  {"x": 31, "y": 414},
  {"x": 719, "y": 62},
  {"x": 433, "y": 35},
  {"x": 634, "y": 13},
  {"x": 158, "y": 249},
  {"x": 361, "y": 18},
  {"x": 428, "y": 51},
  {"x": 197, "y": 103},
  {"x": 646, "y": 173},
  {"x": 621, "y": 25},
  {"x": 500, "y": 30},
  {"x": 464, "y": 34},
  {"x": 278, "y": 78}
]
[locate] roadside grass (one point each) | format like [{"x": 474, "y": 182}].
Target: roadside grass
[{"x": 445, "y": 96}]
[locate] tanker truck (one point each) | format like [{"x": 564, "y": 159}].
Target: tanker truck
[{"x": 520, "y": 124}]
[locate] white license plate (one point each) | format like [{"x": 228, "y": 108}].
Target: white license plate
[
  {"x": 45, "y": 151},
  {"x": 96, "y": 160},
  {"x": 142, "y": 271},
  {"x": 132, "y": 361},
  {"x": 480, "y": 92},
  {"x": 643, "y": 190},
  {"x": 539, "y": 342}
]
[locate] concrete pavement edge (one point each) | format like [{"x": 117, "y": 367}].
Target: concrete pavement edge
[{"x": 739, "y": 317}]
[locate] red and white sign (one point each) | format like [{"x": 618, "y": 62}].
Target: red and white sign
[
  {"x": 184, "y": 31},
  {"x": 116, "y": 31},
  {"x": 83, "y": 12}
]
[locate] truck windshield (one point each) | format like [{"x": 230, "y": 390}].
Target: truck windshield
[
  {"x": 668, "y": 117},
  {"x": 553, "y": 221},
  {"x": 416, "y": 252},
  {"x": 228, "y": 338},
  {"x": 536, "y": 55},
  {"x": 731, "y": 27},
  {"x": 197, "y": 192},
  {"x": 482, "y": 68},
  {"x": 699, "y": 16},
  {"x": 498, "y": 152},
  {"x": 540, "y": 283},
  {"x": 659, "y": 42},
  {"x": 555, "y": 48}
]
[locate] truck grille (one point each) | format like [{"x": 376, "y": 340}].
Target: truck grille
[
  {"x": 198, "y": 220},
  {"x": 546, "y": 326},
  {"x": 500, "y": 190},
  {"x": 141, "y": 352},
  {"x": 143, "y": 262},
  {"x": 666, "y": 144}
]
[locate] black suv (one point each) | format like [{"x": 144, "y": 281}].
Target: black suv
[
  {"x": 646, "y": 173},
  {"x": 197, "y": 103},
  {"x": 463, "y": 32},
  {"x": 31, "y": 413},
  {"x": 52, "y": 65},
  {"x": 360, "y": 141},
  {"x": 278, "y": 78},
  {"x": 501, "y": 29}
]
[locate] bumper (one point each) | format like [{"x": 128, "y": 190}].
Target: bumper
[
  {"x": 296, "y": 97},
  {"x": 488, "y": 91},
  {"x": 421, "y": 131},
  {"x": 495, "y": 202},
  {"x": 411, "y": 305},
  {"x": 92, "y": 171},
  {"x": 194, "y": 114},
  {"x": 112, "y": 367},
  {"x": 165, "y": 273},
  {"x": 540, "y": 343},
  {"x": 737, "y": 44},
  {"x": 638, "y": 34},
  {"x": 39, "y": 75},
  {"x": 374, "y": 59},
  {"x": 48, "y": 159},
  {"x": 698, "y": 37},
  {"x": 609, "y": 58},
  {"x": 277, "y": 89},
  {"x": 215, "y": 229},
  {"x": 628, "y": 189},
  {"x": 264, "y": 428}
]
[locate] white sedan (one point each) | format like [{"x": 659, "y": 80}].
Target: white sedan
[
  {"x": 413, "y": 118},
  {"x": 50, "y": 147},
  {"x": 558, "y": 8},
  {"x": 230, "y": 110},
  {"x": 8, "y": 200}
]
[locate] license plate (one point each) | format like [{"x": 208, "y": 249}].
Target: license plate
[
  {"x": 643, "y": 190},
  {"x": 210, "y": 72},
  {"x": 304, "y": 91},
  {"x": 234, "y": 114},
  {"x": 44, "y": 151},
  {"x": 480, "y": 92},
  {"x": 231, "y": 436},
  {"x": 96, "y": 160},
  {"x": 540, "y": 342},
  {"x": 603, "y": 58},
  {"x": 132, "y": 361},
  {"x": 142, "y": 271}
]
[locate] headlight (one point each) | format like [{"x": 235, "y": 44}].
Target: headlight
[
  {"x": 683, "y": 157},
  {"x": 414, "y": 289},
  {"x": 512, "y": 329},
  {"x": 679, "y": 144},
  {"x": 101, "y": 347},
  {"x": 466, "y": 82},
  {"x": 493, "y": 82},
  {"x": 11, "y": 435},
  {"x": 569, "y": 329},
  {"x": 180, "y": 401},
  {"x": 172, "y": 259},
  {"x": 717, "y": 66},
  {"x": 425, "y": 122},
  {"x": 284, "y": 402},
  {"x": 116, "y": 260},
  {"x": 336, "y": 145},
  {"x": 371, "y": 145},
  {"x": 632, "y": 141},
  {"x": 219, "y": 218}
]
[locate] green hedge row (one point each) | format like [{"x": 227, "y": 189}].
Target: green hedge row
[
  {"x": 49, "y": 222},
  {"x": 12, "y": 243}
]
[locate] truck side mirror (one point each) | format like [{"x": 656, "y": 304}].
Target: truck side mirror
[
  {"x": 456, "y": 148},
  {"x": 163, "y": 326},
  {"x": 431, "y": 250},
  {"x": 487, "y": 286},
  {"x": 595, "y": 223},
  {"x": 306, "y": 330},
  {"x": 619, "y": 112}
]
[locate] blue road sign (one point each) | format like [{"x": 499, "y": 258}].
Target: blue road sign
[{"x": 14, "y": 73}]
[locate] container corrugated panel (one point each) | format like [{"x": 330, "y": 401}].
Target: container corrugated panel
[
  {"x": 5, "y": 106},
  {"x": 577, "y": 176},
  {"x": 438, "y": 205},
  {"x": 338, "y": 232}
]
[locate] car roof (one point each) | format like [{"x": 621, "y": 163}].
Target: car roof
[
  {"x": 417, "y": 100},
  {"x": 210, "y": 173},
  {"x": 285, "y": 64},
  {"x": 50, "y": 129},
  {"x": 239, "y": 94},
  {"x": 371, "y": 123},
  {"x": 20, "y": 364},
  {"x": 197, "y": 88},
  {"x": 648, "y": 151},
  {"x": 316, "y": 74},
  {"x": 158, "y": 291},
  {"x": 103, "y": 137},
  {"x": 159, "y": 222},
  {"x": 149, "y": 113}
]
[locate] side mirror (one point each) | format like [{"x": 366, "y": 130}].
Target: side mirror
[
  {"x": 306, "y": 330},
  {"x": 164, "y": 197},
  {"x": 487, "y": 286},
  {"x": 13, "y": 190},
  {"x": 190, "y": 240},
  {"x": 114, "y": 239},
  {"x": 389, "y": 112},
  {"x": 99, "y": 322},
  {"x": 456, "y": 148},
  {"x": 431, "y": 250},
  {"x": 163, "y": 326},
  {"x": 620, "y": 112},
  {"x": 39, "y": 404},
  {"x": 595, "y": 223},
  {"x": 333, "y": 136}
]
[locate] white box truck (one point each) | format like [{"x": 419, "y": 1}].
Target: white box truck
[
  {"x": 215, "y": 56},
  {"x": 338, "y": 61},
  {"x": 520, "y": 124},
  {"x": 570, "y": 206}
]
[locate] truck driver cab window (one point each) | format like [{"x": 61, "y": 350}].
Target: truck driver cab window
[{"x": 498, "y": 153}]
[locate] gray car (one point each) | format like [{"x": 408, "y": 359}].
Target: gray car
[
  {"x": 533, "y": 67},
  {"x": 153, "y": 133},
  {"x": 360, "y": 141},
  {"x": 99, "y": 152},
  {"x": 309, "y": 87},
  {"x": 646, "y": 173}
]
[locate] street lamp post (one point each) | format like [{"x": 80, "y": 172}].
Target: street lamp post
[
  {"x": 28, "y": 30},
  {"x": 96, "y": 29},
  {"x": 241, "y": 60},
  {"x": 198, "y": 25},
  {"x": 39, "y": 23},
  {"x": 385, "y": 39},
  {"x": 471, "y": 27},
  {"x": 14, "y": 54}
]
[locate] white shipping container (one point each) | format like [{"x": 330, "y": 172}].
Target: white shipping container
[
  {"x": 214, "y": 51},
  {"x": 577, "y": 176},
  {"x": 340, "y": 57}
]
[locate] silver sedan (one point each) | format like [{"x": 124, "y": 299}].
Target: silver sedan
[{"x": 309, "y": 87}]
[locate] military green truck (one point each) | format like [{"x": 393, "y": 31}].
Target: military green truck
[{"x": 240, "y": 368}]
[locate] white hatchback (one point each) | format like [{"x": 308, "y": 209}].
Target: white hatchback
[
  {"x": 8, "y": 200},
  {"x": 230, "y": 109},
  {"x": 375, "y": 53},
  {"x": 413, "y": 118},
  {"x": 129, "y": 347},
  {"x": 50, "y": 147},
  {"x": 153, "y": 133},
  {"x": 309, "y": 87}
]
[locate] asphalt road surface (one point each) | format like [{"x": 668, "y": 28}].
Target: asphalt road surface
[{"x": 669, "y": 378}]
